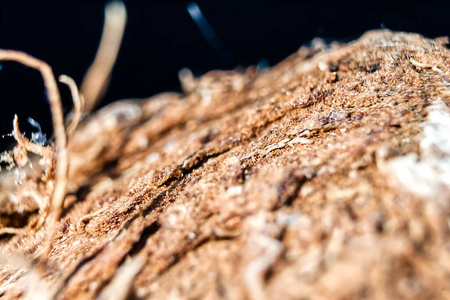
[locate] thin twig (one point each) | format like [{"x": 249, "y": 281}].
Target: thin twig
[
  {"x": 420, "y": 65},
  {"x": 59, "y": 131},
  {"x": 97, "y": 77},
  {"x": 78, "y": 103},
  {"x": 88, "y": 217}
]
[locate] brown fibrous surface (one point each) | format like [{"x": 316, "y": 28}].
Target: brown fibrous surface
[{"x": 323, "y": 177}]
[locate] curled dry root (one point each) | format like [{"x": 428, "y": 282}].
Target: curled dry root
[
  {"x": 78, "y": 104},
  {"x": 56, "y": 158}
]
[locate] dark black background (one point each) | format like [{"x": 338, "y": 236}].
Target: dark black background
[{"x": 161, "y": 38}]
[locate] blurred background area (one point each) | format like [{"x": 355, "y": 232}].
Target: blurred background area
[{"x": 161, "y": 38}]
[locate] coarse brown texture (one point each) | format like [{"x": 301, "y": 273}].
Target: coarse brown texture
[{"x": 323, "y": 177}]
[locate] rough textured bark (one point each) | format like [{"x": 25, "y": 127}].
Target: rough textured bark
[{"x": 323, "y": 177}]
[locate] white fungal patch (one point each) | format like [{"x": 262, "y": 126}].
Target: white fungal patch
[
  {"x": 234, "y": 190},
  {"x": 436, "y": 139},
  {"x": 206, "y": 96},
  {"x": 151, "y": 158},
  {"x": 169, "y": 147},
  {"x": 428, "y": 176},
  {"x": 143, "y": 142}
]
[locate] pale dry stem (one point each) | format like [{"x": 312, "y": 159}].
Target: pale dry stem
[
  {"x": 97, "y": 77},
  {"x": 59, "y": 131}
]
